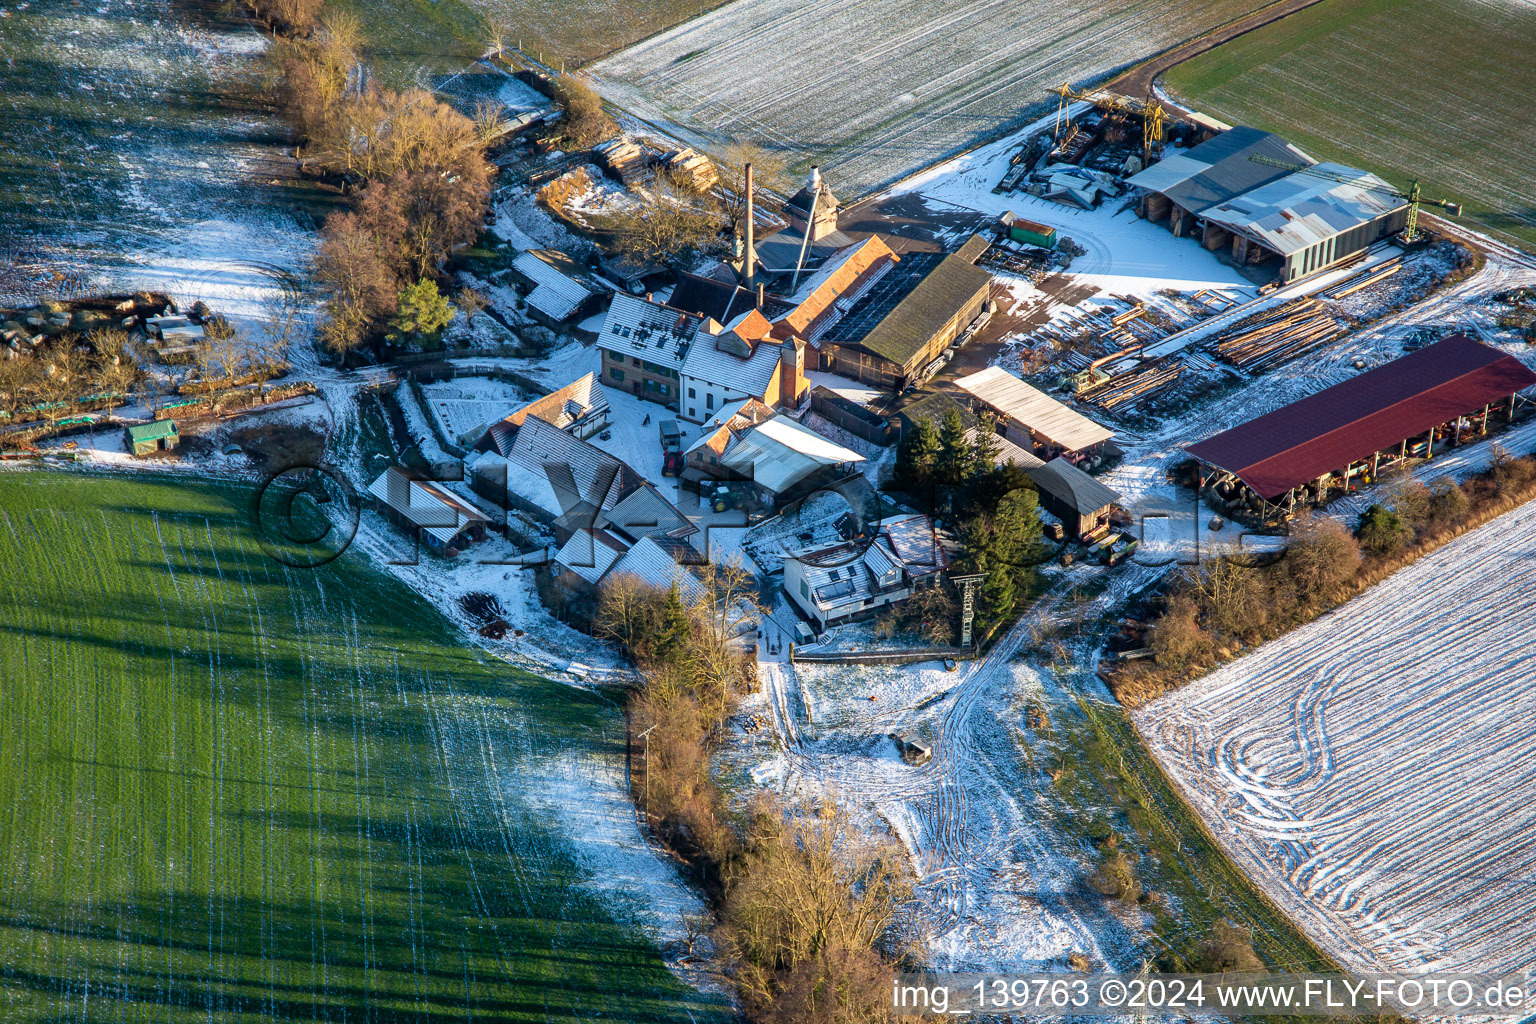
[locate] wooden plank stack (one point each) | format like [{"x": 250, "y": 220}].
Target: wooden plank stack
[{"x": 1277, "y": 336}]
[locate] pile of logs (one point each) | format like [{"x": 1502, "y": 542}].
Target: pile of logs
[
  {"x": 1151, "y": 378},
  {"x": 1279, "y": 335}
]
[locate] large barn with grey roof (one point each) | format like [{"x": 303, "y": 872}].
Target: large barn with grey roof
[{"x": 1252, "y": 194}]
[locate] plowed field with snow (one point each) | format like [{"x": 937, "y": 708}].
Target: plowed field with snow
[
  {"x": 1373, "y": 770},
  {"x": 875, "y": 91}
]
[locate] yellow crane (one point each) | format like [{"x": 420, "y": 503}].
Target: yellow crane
[
  {"x": 1154, "y": 117},
  {"x": 1414, "y": 195}
]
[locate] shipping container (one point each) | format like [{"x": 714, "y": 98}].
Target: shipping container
[{"x": 1031, "y": 233}]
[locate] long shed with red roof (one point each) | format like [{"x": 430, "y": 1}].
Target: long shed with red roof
[{"x": 1354, "y": 426}]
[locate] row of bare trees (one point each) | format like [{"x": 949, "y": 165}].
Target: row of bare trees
[
  {"x": 420, "y": 166},
  {"x": 804, "y": 900},
  {"x": 70, "y": 369},
  {"x": 1227, "y": 602}
]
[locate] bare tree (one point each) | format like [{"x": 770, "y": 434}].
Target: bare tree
[
  {"x": 668, "y": 228},
  {"x": 286, "y": 327},
  {"x": 770, "y": 170},
  {"x": 586, "y": 122},
  {"x": 470, "y": 301},
  {"x": 115, "y": 369},
  {"x": 813, "y": 891},
  {"x": 61, "y": 380}
]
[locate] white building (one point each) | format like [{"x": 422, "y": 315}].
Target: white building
[{"x": 843, "y": 582}]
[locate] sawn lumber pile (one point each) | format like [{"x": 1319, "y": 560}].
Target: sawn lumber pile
[{"x": 1282, "y": 334}]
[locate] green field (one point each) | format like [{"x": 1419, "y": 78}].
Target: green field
[
  {"x": 235, "y": 790},
  {"x": 1438, "y": 90}
]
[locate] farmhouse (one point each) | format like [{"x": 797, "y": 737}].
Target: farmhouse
[
  {"x": 783, "y": 459},
  {"x": 158, "y": 436},
  {"x": 591, "y": 558},
  {"x": 840, "y": 583},
  {"x": 1031, "y": 419},
  {"x": 739, "y": 361},
  {"x": 1077, "y": 499},
  {"x": 557, "y": 289},
  {"x": 561, "y": 479},
  {"x": 579, "y": 408},
  {"x": 1309, "y": 448},
  {"x": 643, "y": 343},
  {"x": 702, "y": 459},
  {"x": 1242, "y": 191},
  {"x": 446, "y": 522}
]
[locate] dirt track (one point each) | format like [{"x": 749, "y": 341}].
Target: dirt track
[{"x": 1138, "y": 81}]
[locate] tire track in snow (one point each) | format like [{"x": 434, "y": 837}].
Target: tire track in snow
[{"x": 1371, "y": 770}]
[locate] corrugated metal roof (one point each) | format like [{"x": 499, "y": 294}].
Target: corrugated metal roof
[
  {"x": 1325, "y": 432},
  {"x": 1064, "y": 481},
  {"x": 424, "y": 503},
  {"x": 554, "y": 294},
  {"x": 1301, "y": 209},
  {"x": 1008, "y": 452},
  {"x": 1219, "y": 169},
  {"x": 651, "y": 330},
  {"x": 1032, "y": 408}
]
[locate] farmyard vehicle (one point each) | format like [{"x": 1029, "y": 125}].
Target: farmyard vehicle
[{"x": 671, "y": 448}]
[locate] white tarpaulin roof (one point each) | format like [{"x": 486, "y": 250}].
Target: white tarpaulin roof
[
  {"x": 779, "y": 453},
  {"x": 1033, "y": 409}
]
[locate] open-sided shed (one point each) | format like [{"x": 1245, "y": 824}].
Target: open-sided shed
[{"x": 1353, "y": 427}]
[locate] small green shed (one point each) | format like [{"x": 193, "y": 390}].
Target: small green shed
[{"x": 159, "y": 436}]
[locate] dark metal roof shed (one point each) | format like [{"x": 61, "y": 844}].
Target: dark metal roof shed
[
  {"x": 902, "y": 312},
  {"x": 1325, "y": 432},
  {"x": 1072, "y": 487},
  {"x": 1222, "y": 168}
]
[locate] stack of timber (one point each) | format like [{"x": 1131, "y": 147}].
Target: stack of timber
[
  {"x": 1147, "y": 380},
  {"x": 1367, "y": 277},
  {"x": 1282, "y": 334}
]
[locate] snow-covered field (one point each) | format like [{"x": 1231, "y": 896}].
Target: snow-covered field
[
  {"x": 876, "y": 91},
  {"x": 1373, "y": 770},
  {"x": 134, "y": 160}
]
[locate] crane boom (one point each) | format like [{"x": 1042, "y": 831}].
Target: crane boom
[
  {"x": 1414, "y": 195},
  {"x": 1153, "y": 116}
]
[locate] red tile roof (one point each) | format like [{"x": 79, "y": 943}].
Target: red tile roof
[{"x": 1374, "y": 411}]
